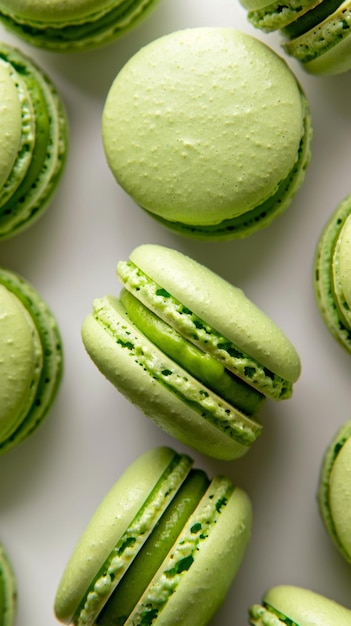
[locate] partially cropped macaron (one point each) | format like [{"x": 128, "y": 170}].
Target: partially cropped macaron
[
  {"x": 287, "y": 605},
  {"x": 208, "y": 130},
  {"x": 334, "y": 494},
  {"x": 316, "y": 32},
  {"x": 30, "y": 359},
  {"x": 33, "y": 141},
  {"x": 332, "y": 273},
  {"x": 191, "y": 350},
  {"x": 74, "y": 25},
  {"x": 8, "y": 590},
  {"x": 162, "y": 548}
]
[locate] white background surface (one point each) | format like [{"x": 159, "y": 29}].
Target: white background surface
[{"x": 51, "y": 484}]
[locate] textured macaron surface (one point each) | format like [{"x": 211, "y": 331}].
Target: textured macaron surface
[
  {"x": 10, "y": 127},
  {"x": 203, "y": 125},
  {"x": 55, "y": 10},
  {"x": 295, "y": 606}
]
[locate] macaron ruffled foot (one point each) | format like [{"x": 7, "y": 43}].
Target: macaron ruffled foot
[
  {"x": 287, "y": 605},
  {"x": 162, "y": 548},
  {"x": 332, "y": 274},
  {"x": 75, "y": 25},
  {"x": 31, "y": 360},
  {"x": 191, "y": 350},
  {"x": 33, "y": 140},
  {"x": 208, "y": 131},
  {"x": 8, "y": 590}
]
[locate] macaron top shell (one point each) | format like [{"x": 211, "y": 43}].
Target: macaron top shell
[
  {"x": 55, "y": 10},
  {"x": 340, "y": 498},
  {"x": 10, "y": 127},
  {"x": 345, "y": 261},
  {"x": 218, "y": 303},
  {"x": 202, "y": 125}
]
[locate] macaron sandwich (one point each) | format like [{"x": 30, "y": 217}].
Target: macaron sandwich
[
  {"x": 33, "y": 141},
  {"x": 287, "y": 605},
  {"x": 191, "y": 350},
  {"x": 332, "y": 271},
  {"x": 162, "y": 548},
  {"x": 334, "y": 494},
  {"x": 8, "y": 590},
  {"x": 316, "y": 32},
  {"x": 31, "y": 359},
  {"x": 74, "y": 25},
  {"x": 208, "y": 131}
]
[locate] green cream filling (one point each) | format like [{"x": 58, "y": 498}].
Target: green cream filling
[
  {"x": 160, "y": 542},
  {"x": 267, "y": 615},
  {"x": 197, "y": 331},
  {"x": 201, "y": 365},
  {"x": 110, "y": 314},
  {"x": 278, "y": 14},
  {"x": 100, "y": 25},
  {"x": 131, "y": 542}
]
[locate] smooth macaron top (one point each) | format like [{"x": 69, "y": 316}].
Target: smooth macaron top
[
  {"x": 303, "y": 607},
  {"x": 11, "y": 124},
  {"x": 56, "y": 10},
  {"x": 344, "y": 262},
  {"x": 202, "y": 125},
  {"x": 221, "y": 305}
]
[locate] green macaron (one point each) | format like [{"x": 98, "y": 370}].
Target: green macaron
[
  {"x": 33, "y": 141},
  {"x": 334, "y": 494},
  {"x": 72, "y": 26},
  {"x": 31, "y": 359},
  {"x": 8, "y": 590},
  {"x": 316, "y": 32},
  {"x": 191, "y": 350},
  {"x": 208, "y": 131},
  {"x": 332, "y": 271},
  {"x": 162, "y": 548},
  {"x": 287, "y": 605}
]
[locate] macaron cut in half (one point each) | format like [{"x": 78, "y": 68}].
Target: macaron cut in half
[
  {"x": 191, "y": 350},
  {"x": 316, "y": 32},
  {"x": 332, "y": 274},
  {"x": 8, "y": 590},
  {"x": 31, "y": 359},
  {"x": 74, "y": 25},
  {"x": 208, "y": 130},
  {"x": 162, "y": 548},
  {"x": 287, "y": 605},
  {"x": 334, "y": 494},
  {"x": 33, "y": 141}
]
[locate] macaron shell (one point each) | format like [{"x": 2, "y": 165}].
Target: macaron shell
[
  {"x": 219, "y": 303},
  {"x": 200, "y": 592},
  {"x": 345, "y": 261},
  {"x": 340, "y": 498},
  {"x": 10, "y": 127},
  {"x": 160, "y": 134},
  {"x": 8, "y": 590},
  {"x": 167, "y": 410},
  {"x": 55, "y": 10},
  {"x": 109, "y": 522},
  {"x": 306, "y": 607}
]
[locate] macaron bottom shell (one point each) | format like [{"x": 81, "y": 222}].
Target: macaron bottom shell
[{"x": 101, "y": 28}]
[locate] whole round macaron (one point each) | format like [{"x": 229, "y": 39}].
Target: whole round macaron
[
  {"x": 8, "y": 590},
  {"x": 31, "y": 359},
  {"x": 288, "y": 605},
  {"x": 74, "y": 25},
  {"x": 334, "y": 494},
  {"x": 33, "y": 141},
  {"x": 208, "y": 130},
  {"x": 162, "y": 548},
  {"x": 191, "y": 350},
  {"x": 332, "y": 271},
  {"x": 316, "y": 33}
]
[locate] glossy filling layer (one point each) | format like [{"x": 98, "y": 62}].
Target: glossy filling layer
[
  {"x": 195, "y": 330},
  {"x": 112, "y": 317},
  {"x": 312, "y": 18}
]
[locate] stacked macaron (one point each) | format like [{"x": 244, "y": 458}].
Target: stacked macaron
[
  {"x": 191, "y": 350},
  {"x": 208, "y": 131},
  {"x": 33, "y": 141},
  {"x": 332, "y": 271},
  {"x": 316, "y": 32},
  {"x": 162, "y": 548},
  {"x": 76, "y": 25},
  {"x": 31, "y": 359},
  {"x": 8, "y": 590},
  {"x": 287, "y": 605}
]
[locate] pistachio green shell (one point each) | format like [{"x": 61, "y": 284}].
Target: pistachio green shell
[
  {"x": 8, "y": 590},
  {"x": 307, "y": 608},
  {"x": 55, "y": 10},
  {"x": 10, "y": 127}
]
